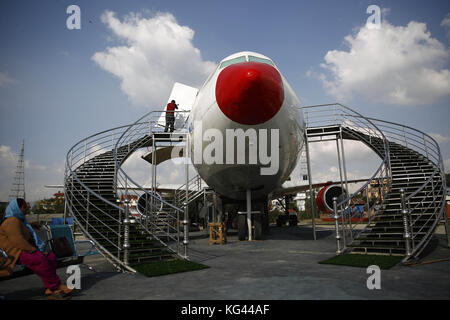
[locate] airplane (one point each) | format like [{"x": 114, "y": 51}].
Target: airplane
[
  {"x": 246, "y": 97},
  {"x": 246, "y": 132}
]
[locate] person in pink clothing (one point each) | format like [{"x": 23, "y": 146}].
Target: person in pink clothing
[
  {"x": 44, "y": 266},
  {"x": 24, "y": 246}
]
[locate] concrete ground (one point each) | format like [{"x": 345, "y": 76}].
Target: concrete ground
[{"x": 282, "y": 266}]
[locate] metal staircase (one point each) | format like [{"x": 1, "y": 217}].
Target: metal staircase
[
  {"x": 94, "y": 183},
  {"x": 98, "y": 189},
  {"x": 410, "y": 181},
  {"x": 194, "y": 190}
]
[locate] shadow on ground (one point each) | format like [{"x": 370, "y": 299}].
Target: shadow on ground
[{"x": 296, "y": 233}]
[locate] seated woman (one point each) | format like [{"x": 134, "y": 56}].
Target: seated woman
[{"x": 24, "y": 246}]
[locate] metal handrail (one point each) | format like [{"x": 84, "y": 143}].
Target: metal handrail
[
  {"x": 193, "y": 186},
  {"x": 410, "y": 138},
  {"x": 353, "y": 115},
  {"x": 138, "y": 123},
  {"x": 146, "y": 126},
  {"x": 78, "y": 156},
  {"x": 436, "y": 195},
  {"x": 140, "y": 132}
]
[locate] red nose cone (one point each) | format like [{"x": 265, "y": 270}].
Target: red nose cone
[{"x": 249, "y": 92}]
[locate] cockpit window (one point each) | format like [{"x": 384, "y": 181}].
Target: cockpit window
[
  {"x": 262, "y": 60},
  {"x": 232, "y": 61}
]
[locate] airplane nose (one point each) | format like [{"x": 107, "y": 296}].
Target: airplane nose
[{"x": 249, "y": 92}]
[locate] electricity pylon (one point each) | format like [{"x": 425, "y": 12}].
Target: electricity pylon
[{"x": 18, "y": 187}]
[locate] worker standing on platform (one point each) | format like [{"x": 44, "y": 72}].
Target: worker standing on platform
[{"x": 170, "y": 116}]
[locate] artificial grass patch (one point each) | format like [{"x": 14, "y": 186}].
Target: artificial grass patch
[
  {"x": 364, "y": 260},
  {"x": 160, "y": 268}
]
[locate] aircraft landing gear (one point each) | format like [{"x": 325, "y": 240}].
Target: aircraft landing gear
[
  {"x": 257, "y": 223},
  {"x": 242, "y": 227},
  {"x": 265, "y": 220},
  {"x": 257, "y": 226},
  {"x": 252, "y": 224}
]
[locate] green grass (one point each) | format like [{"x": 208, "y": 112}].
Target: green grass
[
  {"x": 364, "y": 260},
  {"x": 160, "y": 268}
]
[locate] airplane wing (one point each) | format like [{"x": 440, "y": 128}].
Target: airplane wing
[{"x": 296, "y": 189}]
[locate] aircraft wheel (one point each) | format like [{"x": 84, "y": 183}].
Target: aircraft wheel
[
  {"x": 242, "y": 226},
  {"x": 258, "y": 227},
  {"x": 265, "y": 220}
]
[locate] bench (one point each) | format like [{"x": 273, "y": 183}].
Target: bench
[{"x": 46, "y": 233}]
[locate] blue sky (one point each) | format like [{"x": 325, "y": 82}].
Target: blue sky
[{"x": 53, "y": 93}]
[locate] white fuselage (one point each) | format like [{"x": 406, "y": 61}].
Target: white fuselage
[{"x": 268, "y": 162}]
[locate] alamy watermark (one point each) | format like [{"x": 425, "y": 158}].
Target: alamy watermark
[
  {"x": 374, "y": 281},
  {"x": 74, "y": 280},
  {"x": 373, "y": 21},
  {"x": 237, "y": 146},
  {"x": 74, "y": 20}
]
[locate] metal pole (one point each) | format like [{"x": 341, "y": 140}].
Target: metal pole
[
  {"x": 87, "y": 211},
  {"x": 346, "y": 184},
  {"x": 447, "y": 231},
  {"x": 404, "y": 136},
  {"x": 336, "y": 224},
  {"x": 186, "y": 208},
  {"x": 152, "y": 204},
  {"x": 126, "y": 238},
  {"x": 405, "y": 214},
  {"x": 444, "y": 213},
  {"x": 425, "y": 145},
  {"x": 71, "y": 180},
  {"x": 119, "y": 232},
  {"x": 368, "y": 203},
  {"x": 178, "y": 232},
  {"x": 65, "y": 193},
  {"x": 249, "y": 214},
  {"x": 311, "y": 195},
  {"x": 65, "y": 208},
  {"x": 342, "y": 186}
]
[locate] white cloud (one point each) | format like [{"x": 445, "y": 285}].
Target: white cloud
[
  {"x": 7, "y": 156},
  {"x": 361, "y": 162},
  {"x": 439, "y": 138},
  {"x": 6, "y": 80},
  {"x": 446, "y": 22},
  {"x": 447, "y": 166},
  {"x": 157, "y": 52},
  {"x": 393, "y": 64}
]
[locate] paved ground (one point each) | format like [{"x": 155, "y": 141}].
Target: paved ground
[{"x": 282, "y": 266}]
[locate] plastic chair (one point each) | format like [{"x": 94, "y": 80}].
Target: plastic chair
[
  {"x": 56, "y": 221},
  {"x": 46, "y": 233},
  {"x": 65, "y": 230}
]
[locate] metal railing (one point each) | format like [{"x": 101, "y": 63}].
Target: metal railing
[
  {"x": 160, "y": 217},
  {"x": 194, "y": 187},
  {"x": 426, "y": 200},
  {"x": 80, "y": 198},
  {"x": 361, "y": 128},
  {"x": 412, "y": 202},
  {"x": 115, "y": 146}
]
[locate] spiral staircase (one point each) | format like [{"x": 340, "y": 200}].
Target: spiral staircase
[
  {"x": 98, "y": 189},
  {"x": 99, "y": 193},
  {"x": 410, "y": 183}
]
